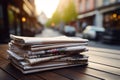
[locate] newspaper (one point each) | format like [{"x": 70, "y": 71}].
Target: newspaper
[
  {"x": 45, "y": 46},
  {"x": 53, "y": 63},
  {"x": 48, "y": 40},
  {"x": 47, "y": 68},
  {"x": 48, "y": 52},
  {"x": 35, "y": 46},
  {"x": 38, "y": 60}
]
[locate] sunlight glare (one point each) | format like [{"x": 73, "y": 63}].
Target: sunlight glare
[{"x": 47, "y": 6}]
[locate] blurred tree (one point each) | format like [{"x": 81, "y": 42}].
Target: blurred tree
[
  {"x": 48, "y": 23},
  {"x": 56, "y": 17},
  {"x": 69, "y": 14}
]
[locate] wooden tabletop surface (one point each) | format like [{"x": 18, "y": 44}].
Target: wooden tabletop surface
[{"x": 104, "y": 64}]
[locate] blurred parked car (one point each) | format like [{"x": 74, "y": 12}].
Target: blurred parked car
[
  {"x": 69, "y": 30},
  {"x": 111, "y": 36},
  {"x": 93, "y": 32}
]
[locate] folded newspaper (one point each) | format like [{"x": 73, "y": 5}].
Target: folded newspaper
[
  {"x": 39, "y": 47},
  {"x": 34, "y": 61},
  {"x": 52, "y": 67},
  {"x": 32, "y": 41},
  {"x": 67, "y": 60},
  {"x": 46, "y": 52},
  {"x": 26, "y": 68}
]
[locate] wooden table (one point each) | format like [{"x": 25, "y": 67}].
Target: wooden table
[{"x": 103, "y": 64}]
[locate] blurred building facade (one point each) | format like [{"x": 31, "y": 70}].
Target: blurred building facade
[
  {"x": 17, "y": 17},
  {"x": 42, "y": 18},
  {"x": 101, "y": 13}
]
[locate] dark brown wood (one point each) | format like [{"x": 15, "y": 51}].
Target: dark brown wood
[
  {"x": 74, "y": 75},
  {"x": 2, "y": 61},
  {"x": 104, "y": 68},
  {"x": 97, "y": 73},
  {"x": 104, "y": 54},
  {"x": 105, "y": 61},
  {"x": 5, "y": 76},
  {"x": 52, "y": 76},
  {"x": 103, "y": 50},
  {"x": 10, "y": 69},
  {"x": 31, "y": 77},
  {"x": 102, "y": 65}
]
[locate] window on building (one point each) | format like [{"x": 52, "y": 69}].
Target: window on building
[
  {"x": 112, "y": 1},
  {"x": 87, "y": 5},
  {"x": 81, "y": 6},
  {"x": 1, "y": 18},
  {"x": 106, "y": 2}
]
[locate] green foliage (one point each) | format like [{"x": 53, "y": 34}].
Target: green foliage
[
  {"x": 48, "y": 23},
  {"x": 56, "y": 17},
  {"x": 69, "y": 14}
]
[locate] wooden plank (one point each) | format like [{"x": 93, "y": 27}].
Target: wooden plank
[
  {"x": 104, "y": 68},
  {"x": 5, "y": 76},
  {"x": 31, "y": 77},
  {"x": 104, "y": 60},
  {"x": 73, "y": 75},
  {"x": 97, "y": 73},
  {"x": 17, "y": 74},
  {"x": 2, "y": 61},
  {"x": 12, "y": 70},
  {"x": 49, "y": 75},
  {"x": 104, "y": 54},
  {"x": 104, "y": 50},
  {"x": 4, "y": 47},
  {"x": 3, "y": 52}
]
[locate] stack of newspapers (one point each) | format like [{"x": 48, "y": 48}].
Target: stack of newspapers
[{"x": 34, "y": 54}]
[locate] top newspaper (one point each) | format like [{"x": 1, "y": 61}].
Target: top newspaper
[{"x": 46, "y": 40}]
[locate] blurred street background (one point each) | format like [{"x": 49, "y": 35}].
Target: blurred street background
[
  {"x": 96, "y": 20},
  {"x": 92, "y": 43}
]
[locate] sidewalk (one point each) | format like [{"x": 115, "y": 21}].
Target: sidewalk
[{"x": 47, "y": 32}]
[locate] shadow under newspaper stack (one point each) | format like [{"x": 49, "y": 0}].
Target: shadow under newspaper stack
[{"x": 32, "y": 54}]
